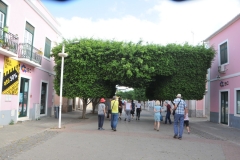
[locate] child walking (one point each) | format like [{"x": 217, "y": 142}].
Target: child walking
[{"x": 186, "y": 120}]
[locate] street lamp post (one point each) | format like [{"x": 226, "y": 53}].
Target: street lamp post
[{"x": 63, "y": 55}]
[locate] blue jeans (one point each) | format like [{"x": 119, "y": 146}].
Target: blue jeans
[
  {"x": 114, "y": 120},
  {"x": 127, "y": 115},
  {"x": 100, "y": 120},
  {"x": 178, "y": 130},
  {"x": 138, "y": 113},
  {"x": 168, "y": 118}
]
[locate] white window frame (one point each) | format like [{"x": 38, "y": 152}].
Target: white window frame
[
  {"x": 29, "y": 95},
  {"x": 235, "y": 100},
  {"x": 219, "y": 108},
  {"x": 42, "y": 81},
  {"x": 219, "y": 55},
  {"x": 44, "y": 50}
]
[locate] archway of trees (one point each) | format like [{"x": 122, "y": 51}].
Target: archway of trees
[{"x": 94, "y": 67}]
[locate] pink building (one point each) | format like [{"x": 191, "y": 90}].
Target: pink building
[
  {"x": 224, "y": 75},
  {"x": 27, "y": 35}
]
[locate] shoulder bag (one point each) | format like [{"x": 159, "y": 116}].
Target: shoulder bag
[{"x": 173, "y": 113}]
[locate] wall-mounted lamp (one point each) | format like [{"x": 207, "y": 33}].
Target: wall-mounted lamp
[{"x": 218, "y": 77}]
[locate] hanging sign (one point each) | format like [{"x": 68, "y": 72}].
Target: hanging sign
[{"x": 10, "y": 76}]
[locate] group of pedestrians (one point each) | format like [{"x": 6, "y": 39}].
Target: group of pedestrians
[
  {"x": 115, "y": 106},
  {"x": 180, "y": 117},
  {"x": 113, "y": 109}
]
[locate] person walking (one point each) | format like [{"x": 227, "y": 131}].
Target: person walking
[
  {"x": 186, "y": 120},
  {"x": 168, "y": 113},
  {"x": 108, "y": 107},
  {"x": 157, "y": 115},
  {"x": 133, "y": 109},
  {"x": 128, "y": 108},
  {"x": 179, "y": 107},
  {"x": 138, "y": 106},
  {"x": 114, "y": 119},
  {"x": 120, "y": 107},
  {"x": 101, "y": 113}
]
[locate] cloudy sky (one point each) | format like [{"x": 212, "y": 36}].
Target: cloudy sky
[{"x": 153, "y": 21}]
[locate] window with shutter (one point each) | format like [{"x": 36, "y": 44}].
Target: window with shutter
[
  {"x": 47, "y": 50},
  {"x": 238, "y": 102},
  {"x": 223, "y": 53}
]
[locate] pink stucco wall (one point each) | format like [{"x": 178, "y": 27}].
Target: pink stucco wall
[
  {"x": 231, "y": 35},
  {"x": 199, "y": 105},
  {"x": 16, "y": 21}
]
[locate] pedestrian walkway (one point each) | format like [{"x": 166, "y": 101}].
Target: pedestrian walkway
[{"x": 80, "y": 139}]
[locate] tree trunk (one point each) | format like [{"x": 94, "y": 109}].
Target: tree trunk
[
  {"x": 67, "y": 105},
  {"x": 79, "y": 103},
  {"x": 162, "y": 103},
  {"x": 84, "y": 107},
  {"x": 95, "y": 101},
  {"x": 73, "y": 106}
]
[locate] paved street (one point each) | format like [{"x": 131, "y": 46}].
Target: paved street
[{"x": 135, "y": 140}]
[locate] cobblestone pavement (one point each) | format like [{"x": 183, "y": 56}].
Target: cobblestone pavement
[
  {"x": 24, "y": 144},
  {"x": 80, "y": 139}
]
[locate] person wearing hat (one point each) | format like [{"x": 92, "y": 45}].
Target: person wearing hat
[
  {"x": 179, "y": 107},
  {"x": 101, "y": 113}
]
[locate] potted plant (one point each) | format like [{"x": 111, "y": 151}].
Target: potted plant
[
  {"x": 1, "y": 42},
  {"x": 40, "y": 52},
  {"x": 5, "y": 29},
  {"x": 16, "y": 36},
  {"x": 12, "y": 48},
  {"x": 5, "y": 46}
]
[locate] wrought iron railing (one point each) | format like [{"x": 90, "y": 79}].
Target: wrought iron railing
[
  {"x": 8, "y": 41},
  {"x": 28, "y": 51}
]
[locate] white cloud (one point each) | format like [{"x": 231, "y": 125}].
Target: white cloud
[{"x": 178, "y": 23}]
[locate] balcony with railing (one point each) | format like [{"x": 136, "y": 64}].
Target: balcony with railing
[
  {"x": 29, "y": 55},
  {"x": 8, "y": 43}
]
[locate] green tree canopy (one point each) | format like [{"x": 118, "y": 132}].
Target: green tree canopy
[
  {"x": 126, "y": 95},
  {"x": 94, "y": 67}
]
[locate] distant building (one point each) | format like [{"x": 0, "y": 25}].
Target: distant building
[
  {"x": 224, "y": 75},
  {"x": 123, "y": 89}
]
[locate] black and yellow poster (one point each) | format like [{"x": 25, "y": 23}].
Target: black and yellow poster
[{"x": 10, "y": 76}]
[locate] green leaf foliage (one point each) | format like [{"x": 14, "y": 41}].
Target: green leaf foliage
[
  {"x": 94, "y": 67},
  {"x": 126, "y": 95}
]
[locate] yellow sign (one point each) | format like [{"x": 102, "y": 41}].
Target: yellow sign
[{"x": 10, "y": 76}]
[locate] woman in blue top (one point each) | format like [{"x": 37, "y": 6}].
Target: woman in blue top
[{"x": 157, "y": 115}]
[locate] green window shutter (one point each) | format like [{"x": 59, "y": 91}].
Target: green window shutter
[
  {"x": 3, "y": 7},
  {"x": 223, "y": 53},
  {"x": 238, "y": 99},
  {"x": 47, "y": 49},
  {"x": 29, "y": 28}
]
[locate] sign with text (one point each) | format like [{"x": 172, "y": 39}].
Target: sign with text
[
  {"x": 222, "y": 84},
  {"x": 10, "y": 76}
]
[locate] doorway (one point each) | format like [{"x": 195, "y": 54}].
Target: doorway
[
  {"x": 43, "y": 98},
  {"x": 224, "y": 107},
  {"x": 23, "y": 97}
]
